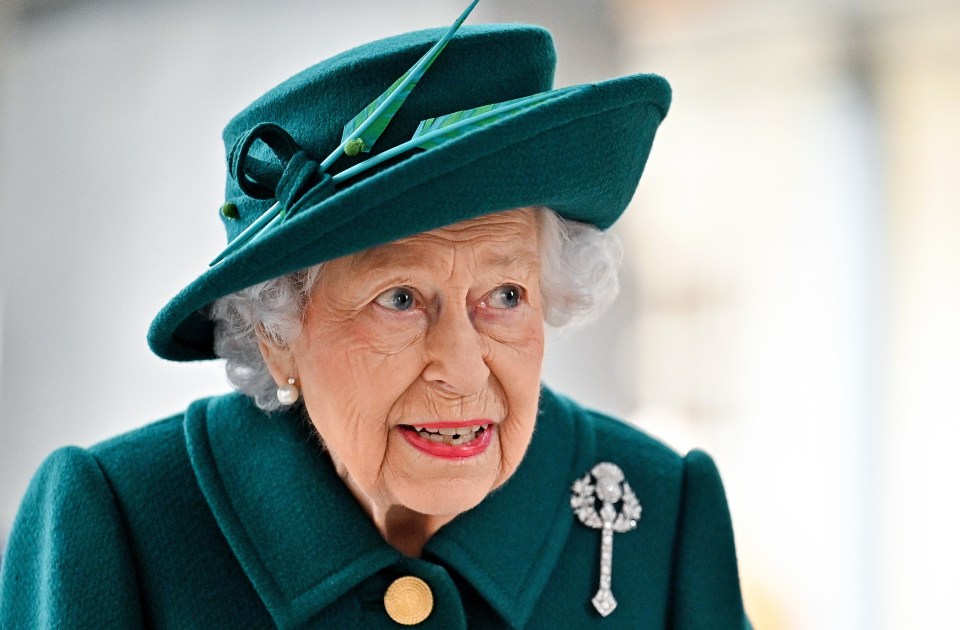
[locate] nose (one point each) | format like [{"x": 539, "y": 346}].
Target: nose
[{"x": 456, "y": 354}]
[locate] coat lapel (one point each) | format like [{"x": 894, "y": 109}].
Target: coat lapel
[
  {"x": 298, "y": 533},
  {"x": 508, "y": 546},
  {"x": 304, "y": 541}
]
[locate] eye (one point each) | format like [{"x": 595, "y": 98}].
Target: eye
[
  {"x": 396, "y": 299},
  {"x": 507, "y": 296}
]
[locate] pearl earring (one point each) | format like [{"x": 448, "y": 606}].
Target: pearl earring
[{"x": 288, "y": 394}]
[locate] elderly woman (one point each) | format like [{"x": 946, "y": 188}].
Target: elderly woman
[{"x": 392, "y": 458}]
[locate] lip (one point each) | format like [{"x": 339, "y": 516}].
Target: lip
[{"x": 449, "y": 451}]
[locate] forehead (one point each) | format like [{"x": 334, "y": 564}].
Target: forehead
[{"x": 504, "y": 238}]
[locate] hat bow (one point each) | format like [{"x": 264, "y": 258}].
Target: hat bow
[{"x": 267, "y": 163}]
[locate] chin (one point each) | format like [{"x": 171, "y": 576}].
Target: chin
[{"x": 446, "y": 498}]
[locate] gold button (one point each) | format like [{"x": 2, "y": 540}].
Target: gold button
[{"x": 408, "y": 600}]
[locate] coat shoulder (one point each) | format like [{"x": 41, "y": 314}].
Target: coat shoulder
[
  {"x": 607, "y": 438},
  {"x": 616, "y": 435},
  {"x": 171, "y": 528},
  {"x": 68, "y": 553},
  {"x": 160, "y": 437},
  {"x": 156, "y": 451}
]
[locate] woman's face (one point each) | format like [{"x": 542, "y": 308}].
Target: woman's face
[{"x": 439, "y": 333}]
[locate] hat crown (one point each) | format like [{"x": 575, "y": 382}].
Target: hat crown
[{"x": 481, "y": 64}]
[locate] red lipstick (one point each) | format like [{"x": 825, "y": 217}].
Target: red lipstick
[{"x": 444, "y": 450}]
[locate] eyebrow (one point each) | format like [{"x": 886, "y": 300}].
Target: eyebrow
[
  {"x": 391, "y": 255},
  {"x": 523, "y": 259}
]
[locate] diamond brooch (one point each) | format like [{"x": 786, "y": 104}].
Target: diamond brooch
[{"x": 608, "y": 488}]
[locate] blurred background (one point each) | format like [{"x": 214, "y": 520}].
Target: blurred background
[{"x": 790, "y": 299}]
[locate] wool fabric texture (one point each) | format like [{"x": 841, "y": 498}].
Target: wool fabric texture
[
  {"x": 580, "y": 153},
  {"x": 225, "y": 517}
]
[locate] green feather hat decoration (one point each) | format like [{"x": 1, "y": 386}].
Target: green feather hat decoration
[{"x": 470, "y": 127}]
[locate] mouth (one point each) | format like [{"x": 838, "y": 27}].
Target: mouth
[
  {"x": 454, "y": 435},
  {"x": 450, "y": 440}
]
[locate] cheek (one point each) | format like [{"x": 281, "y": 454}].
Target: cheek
[
  {"x": 515, "y": 343},
  {"x": 385, "y": 357},
  {"x": 352, "y": 373},
  {"x": 364, "y": 352},
  {"x": 388, "y": 333},
  {"x": 517, "y": 366}
]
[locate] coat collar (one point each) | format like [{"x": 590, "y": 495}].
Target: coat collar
[{"x": 303, "y": 540}]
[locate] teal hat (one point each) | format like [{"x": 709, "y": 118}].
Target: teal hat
[{"x": 579, "y": 151}]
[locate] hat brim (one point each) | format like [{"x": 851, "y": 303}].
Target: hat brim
[{"x": 580, "y": 154}]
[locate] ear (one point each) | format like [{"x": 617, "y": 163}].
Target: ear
[{"x": 279, "y": 360}]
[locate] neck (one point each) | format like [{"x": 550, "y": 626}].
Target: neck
[{"x": 406, "y": 530}]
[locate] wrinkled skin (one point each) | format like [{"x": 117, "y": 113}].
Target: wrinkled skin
[{"x": 446, "y": 325}]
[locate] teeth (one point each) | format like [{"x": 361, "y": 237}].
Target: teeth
[{"x": 463, "y": 435}]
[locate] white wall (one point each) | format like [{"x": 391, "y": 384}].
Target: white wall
[{"x": 798, "y": 249}]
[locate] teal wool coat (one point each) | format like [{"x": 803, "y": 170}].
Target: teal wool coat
[{"x": 225, "y": 517}]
